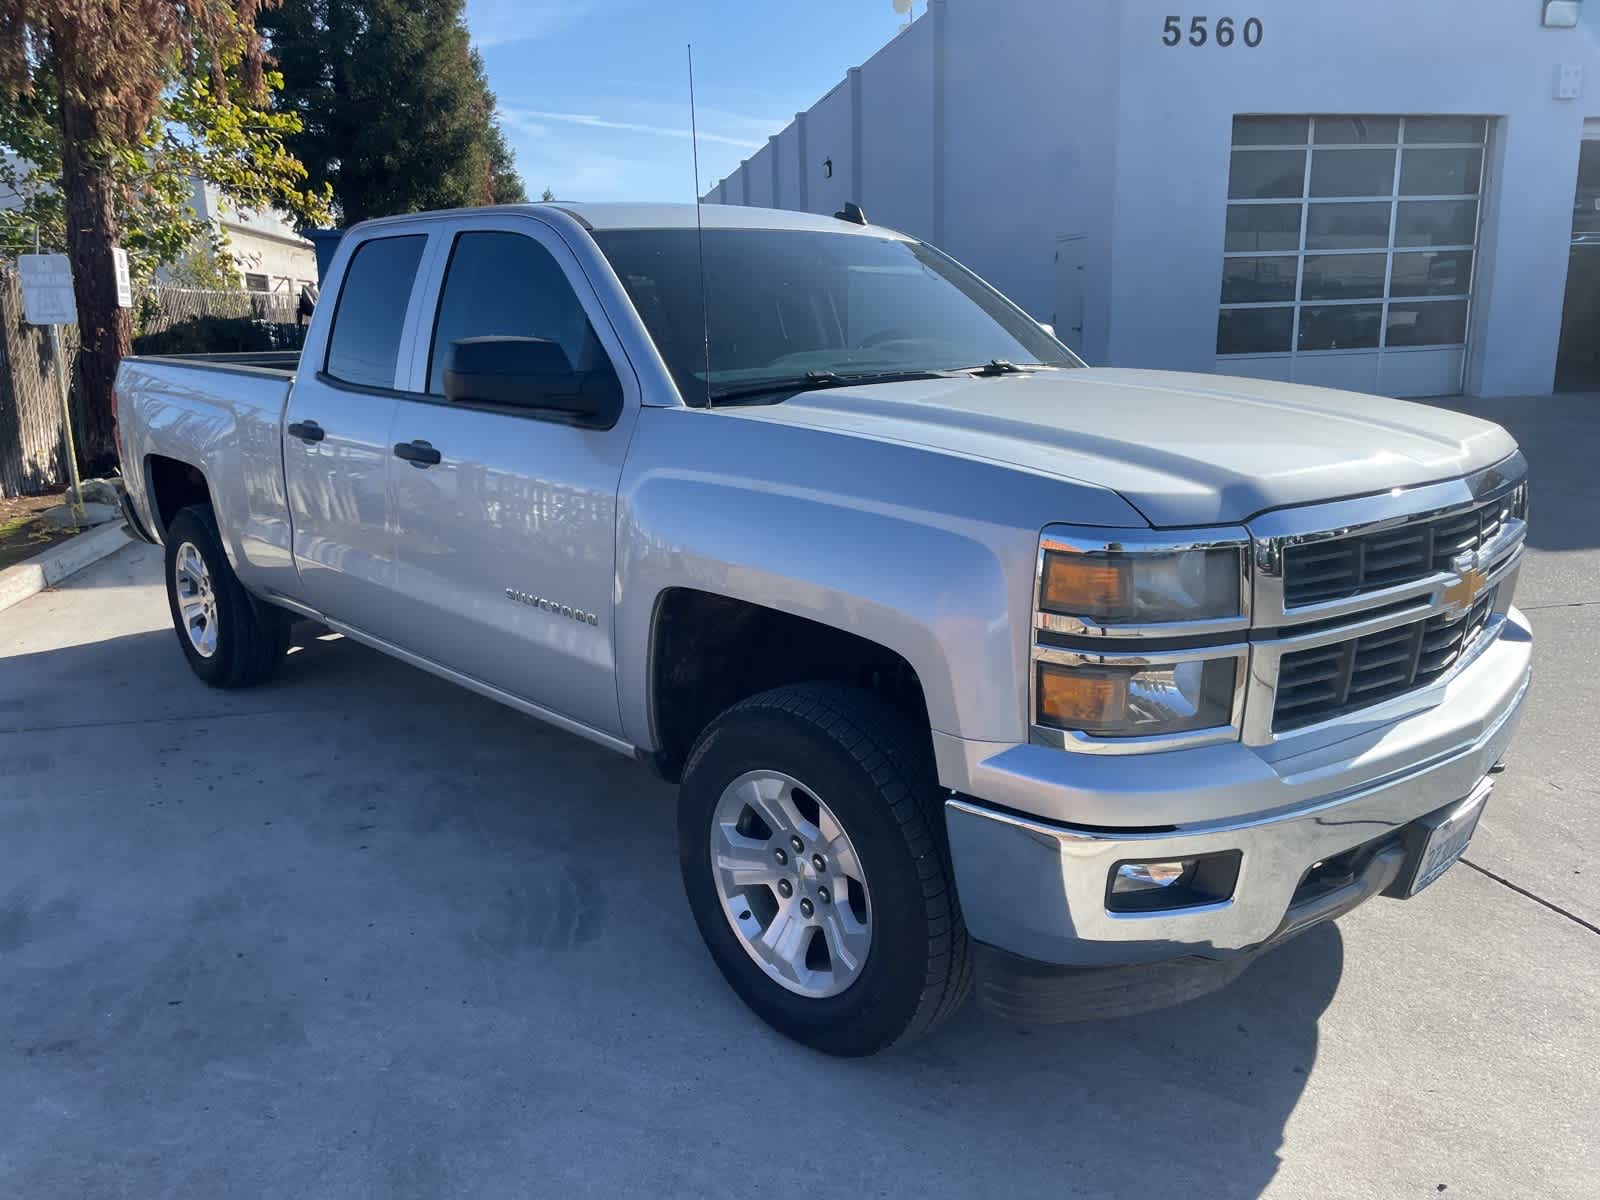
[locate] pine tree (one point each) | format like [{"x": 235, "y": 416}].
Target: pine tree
[{"x": 395, "y": 108}]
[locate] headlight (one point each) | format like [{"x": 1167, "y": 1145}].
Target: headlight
[
  {"x": 1105, "y": 700},
  {"x": 1119, "y": 587},
  {"x": 1112, "y": 609}
]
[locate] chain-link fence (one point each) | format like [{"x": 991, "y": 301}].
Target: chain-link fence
[
  {"x": 32, "y": 446},
  {"x": 161, "y": 306},
  {"x": 167, "y": 318}
]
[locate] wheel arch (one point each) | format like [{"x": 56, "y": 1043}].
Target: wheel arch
[{"x": 708, "y": 651}]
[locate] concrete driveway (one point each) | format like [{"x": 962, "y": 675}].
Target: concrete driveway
[{"x": 361, "y": 933}]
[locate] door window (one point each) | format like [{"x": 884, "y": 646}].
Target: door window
[
  {"x": 370, "y": 318},
  {"x": 507, "y": 284}
]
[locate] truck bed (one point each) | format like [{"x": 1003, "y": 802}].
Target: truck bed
[
  {"x": 281, "y": 362},
  {"x": 222, "y": 416}
]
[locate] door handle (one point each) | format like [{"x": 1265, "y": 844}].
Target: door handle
[
  {"x": 418, "y": 453},
  {"x": 307, "y": 431}
]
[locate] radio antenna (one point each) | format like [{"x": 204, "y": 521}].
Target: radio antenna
[{"x": 699, "y": 232}]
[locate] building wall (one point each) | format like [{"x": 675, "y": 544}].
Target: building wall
[
  {"x": 829, "y": 137},
  {"x": 997, "y": 127},
  {"x": 896, "y": 187},
  {"x": 1462, "y": 57},
  {"x": 286, "y": 265}
]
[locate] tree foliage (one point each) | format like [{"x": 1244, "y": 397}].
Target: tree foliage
[
  {"x": 394, "y": 104},
  {"x": 116, "y": 104},
  {"x": 197, "y": 136}
]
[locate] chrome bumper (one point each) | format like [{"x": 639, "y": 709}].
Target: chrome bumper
[{"x": 1037, "y": 888}]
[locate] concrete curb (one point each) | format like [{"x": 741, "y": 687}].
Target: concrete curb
[{"x": 50, "y": 568}]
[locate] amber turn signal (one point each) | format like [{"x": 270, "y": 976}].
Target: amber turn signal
[
  {"x": 1080, "y": 699},
  {"x": 1074, "y": 583}
]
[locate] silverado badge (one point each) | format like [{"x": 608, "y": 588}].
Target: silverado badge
[{"x": 550, "y": 606}]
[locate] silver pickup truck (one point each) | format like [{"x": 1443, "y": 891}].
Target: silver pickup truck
[{"x": 973, "y": 662}]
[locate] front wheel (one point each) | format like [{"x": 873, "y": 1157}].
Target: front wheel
[{"x": 810, "y": 835}]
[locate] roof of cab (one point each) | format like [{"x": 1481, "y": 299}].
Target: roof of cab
[{"x": 674, "y": 216}]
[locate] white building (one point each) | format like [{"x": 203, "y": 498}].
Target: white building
[
  {"x": 1368, "y": 195},
  {"x": 270, "y": 256}
]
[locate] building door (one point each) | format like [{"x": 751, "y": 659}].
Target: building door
[
  {"x": 1072, "y": 263},
  {"x": 1578, "y": 361},
  {"x": 1350, "y": 248}
]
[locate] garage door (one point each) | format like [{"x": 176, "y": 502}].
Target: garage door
[{"x": 1350, "y": 249}]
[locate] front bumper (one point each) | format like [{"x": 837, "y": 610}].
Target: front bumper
[{"x": 1036, "y": 889}]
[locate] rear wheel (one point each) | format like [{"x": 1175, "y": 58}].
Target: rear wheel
[
  {"x": 811, "y": 839},
  {"x": 230, "y": 638}
]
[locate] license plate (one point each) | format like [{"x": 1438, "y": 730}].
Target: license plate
[{"x": 1448, "y": 842}]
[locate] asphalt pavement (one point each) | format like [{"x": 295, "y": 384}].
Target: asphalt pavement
[{"x": 360, "y": 933}]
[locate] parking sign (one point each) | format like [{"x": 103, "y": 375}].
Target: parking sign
[{"x": 47, "y": 289}]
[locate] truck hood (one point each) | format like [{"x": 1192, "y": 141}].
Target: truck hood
[{"x": 1182, "y": 449}]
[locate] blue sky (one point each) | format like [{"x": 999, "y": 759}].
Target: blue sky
[{"x": 594, "y": 93}]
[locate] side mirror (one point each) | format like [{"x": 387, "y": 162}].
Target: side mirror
[{"x": 530, "y": 373}]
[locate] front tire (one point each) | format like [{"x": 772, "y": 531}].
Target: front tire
[
  {"x": 811, "y": 838},
  {"x": 231, "y": 639}
]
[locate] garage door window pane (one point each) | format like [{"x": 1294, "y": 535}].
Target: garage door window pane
[
  {"x": 1440, "y": 172},
  {"x": 1340, "y": 327},
  {"x": 1446, "y": 273},
  {"x": 1269, "y": 131},
  {"x": 1266, "y": 174},
  {"x": 1263, "y": 227},
  {"x": 1348, "y": 226},
  {"x": 1343, "y": 277},
  {"x": 1381, "y": 240},
  {"x": 1352, "y": 172},
  {"x": 1255, "y": 330},
  {"x": 1436, "y": 223},
  {"x": 1258, "y": 280},
  {"x": 1436, "y": 323},
  {"x": 1444, "y": 129},
  {"x": 1354, "y": 131}
]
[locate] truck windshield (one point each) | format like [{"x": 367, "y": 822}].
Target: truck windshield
[{"x": 806, "y": 308}]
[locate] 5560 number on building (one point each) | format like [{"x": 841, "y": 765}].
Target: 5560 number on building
[{"x": 1200, "y": 31}]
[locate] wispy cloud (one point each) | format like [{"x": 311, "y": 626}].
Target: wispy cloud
[
  {"x": 528, "y": 120},
  {"x": 501, "y": 23}
]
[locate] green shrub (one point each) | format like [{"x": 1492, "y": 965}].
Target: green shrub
[{"x": 208, "y": 335}]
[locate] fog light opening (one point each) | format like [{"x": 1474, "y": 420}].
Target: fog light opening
[{"x": 1163, "y": 884}]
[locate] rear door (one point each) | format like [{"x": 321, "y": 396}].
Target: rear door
[
  {"x": 506, "y": 545},
  {"x": 336, "y": 446}
]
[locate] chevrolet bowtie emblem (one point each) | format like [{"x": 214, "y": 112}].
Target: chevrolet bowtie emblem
[{"x": 1469, "y": 583}]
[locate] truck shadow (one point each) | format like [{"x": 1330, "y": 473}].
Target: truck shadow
[{"x": 482, "y": 920}]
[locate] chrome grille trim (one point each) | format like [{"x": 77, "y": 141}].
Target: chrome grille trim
[
  {"x": 1434, "y": 601},
  {"x": 1276, "y": 532}
]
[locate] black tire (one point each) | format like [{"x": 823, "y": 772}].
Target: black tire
[
  {"x": 876, "y": 772},
  {"x": 252, "y": 636}
]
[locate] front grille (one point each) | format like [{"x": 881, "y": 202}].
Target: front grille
[
  {"x": 1337, "y": 568},
  {"x": 1327, "y": 681}
]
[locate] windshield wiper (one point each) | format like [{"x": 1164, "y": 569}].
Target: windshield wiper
[{"x": 817, "y": 380}]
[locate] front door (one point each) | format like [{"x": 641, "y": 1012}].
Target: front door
[
  {"x": 336, "y": 444},
  {"x": 505, "y": 546}
]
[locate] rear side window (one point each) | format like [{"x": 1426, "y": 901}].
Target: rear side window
[
  {"x": 508, "y": 284},
  {"x": 365, "y": 342}
]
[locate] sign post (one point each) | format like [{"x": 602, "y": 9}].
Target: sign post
[{"x": 47, "y": 299}]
